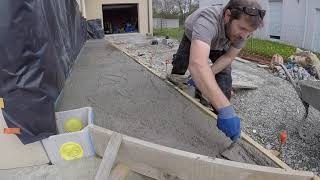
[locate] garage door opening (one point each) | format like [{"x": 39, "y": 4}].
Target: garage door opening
[{"x": 120, "y": 18}]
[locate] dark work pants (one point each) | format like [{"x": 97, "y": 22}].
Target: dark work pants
[{"x": 180, "y": 64}]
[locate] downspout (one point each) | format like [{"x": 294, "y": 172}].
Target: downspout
[
  {"x": 305, "y": 25},
  {"x": 148, "y": 15}
]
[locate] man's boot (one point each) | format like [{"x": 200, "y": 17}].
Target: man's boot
[{"x": 178, "y": 80}]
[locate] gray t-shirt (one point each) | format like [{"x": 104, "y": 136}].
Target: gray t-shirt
[{"x": 206, "y": 24}]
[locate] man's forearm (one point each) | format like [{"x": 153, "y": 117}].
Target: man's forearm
[
  {"x": 221, "y": 63},
  {"x": 203, "y": 76},
  {"x": 225, "y": 60},
  {"x": 206, "y": 82}
]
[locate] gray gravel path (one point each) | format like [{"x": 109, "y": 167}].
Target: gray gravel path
[{"x": 272, "y": 108}]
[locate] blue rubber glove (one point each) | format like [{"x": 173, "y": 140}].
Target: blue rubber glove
[{"x": 229, "y": 123}]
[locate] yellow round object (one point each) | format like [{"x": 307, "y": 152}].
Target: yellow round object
[
  {"x": 73, "y": 125},
  {"x": 71, "y": 151}
]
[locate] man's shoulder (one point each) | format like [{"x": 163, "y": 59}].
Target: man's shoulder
[
  {"x": 209, "y": 12},
  {"x": 204, "y": 24},
  {"x": 213, "y": 10}
]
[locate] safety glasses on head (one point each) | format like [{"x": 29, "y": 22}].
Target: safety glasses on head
[{"x": 251, "y": 11}]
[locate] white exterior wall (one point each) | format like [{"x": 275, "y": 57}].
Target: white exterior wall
[
  {"x": 293, "y": 22},
  {"x": 206, "y": 3},
  {"x": 299, "y": 23},
  {"x": 166, "y": 23},
  {"x": 262, "y": 33},
  {"x": 316, "y": 35},
  {"x": 82, "y": 7},
  {"x": 312, "y": 20}
]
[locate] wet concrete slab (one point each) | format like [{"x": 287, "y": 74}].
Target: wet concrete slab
[{"x": 128, "y": 99}]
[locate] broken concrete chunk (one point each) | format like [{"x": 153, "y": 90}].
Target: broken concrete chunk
[
  {"x": 241, "y": 60},
  {"x": 244, "y": 85},
  {"x": 154, "y": 42},
  {"x": 262, "y": 66},
  {"x": 168, "y": 42}
]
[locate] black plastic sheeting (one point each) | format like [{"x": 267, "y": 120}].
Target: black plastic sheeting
[
  {"x": 94, "y": 29},
  {"x": 39, "y": 42}
]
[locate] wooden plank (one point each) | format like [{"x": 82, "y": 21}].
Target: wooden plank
[
  {"x": 109, "y": 156},
  {"x": 316, "y": 178},
  {"x": 243, "y": 85},
  {"x": 146, "y": 170},
  {"x": 185, "y": 165},
  {"x": 242, "y": 60},
  {"x": 120, "y": 172},
  {"x": 265, "y": 151},
  {"x": 207, "y": 111}
]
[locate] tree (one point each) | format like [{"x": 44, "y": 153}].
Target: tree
[
  {"x": 174, "y": 8},
  {"x": 186, "y": 7},
  {"x": 165, "y": 8}
]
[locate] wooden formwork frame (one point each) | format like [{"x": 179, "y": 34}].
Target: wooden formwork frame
[{"x": 160, "y": 162}]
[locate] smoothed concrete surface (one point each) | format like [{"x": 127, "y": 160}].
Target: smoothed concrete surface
[
  {"x": 83, "y": 169},
  {"x": 126, "y": 98}
]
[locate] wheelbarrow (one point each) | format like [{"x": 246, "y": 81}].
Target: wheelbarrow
[{"x": 309, "y": 93}]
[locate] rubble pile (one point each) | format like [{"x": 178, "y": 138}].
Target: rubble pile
[{"x": 303, "y": 65}]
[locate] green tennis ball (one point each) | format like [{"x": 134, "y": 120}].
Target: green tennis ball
[{"x": 73, "y": 125}]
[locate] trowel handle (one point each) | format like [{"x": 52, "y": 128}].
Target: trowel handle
[{"x": 288, "y": 75}]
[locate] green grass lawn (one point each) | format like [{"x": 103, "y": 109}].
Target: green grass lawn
[
  {"x": 264, "y": 48},
  {"x": 173, "y": 33},
  {"x": 267, "y": 48}
]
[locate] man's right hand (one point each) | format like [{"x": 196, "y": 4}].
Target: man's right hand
[{"x": 229, "y": 123}]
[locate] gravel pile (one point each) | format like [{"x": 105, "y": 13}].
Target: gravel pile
[{"x": 273, "y": 108}]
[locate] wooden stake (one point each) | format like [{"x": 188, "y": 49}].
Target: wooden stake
[{"x": 109, "y": 157}]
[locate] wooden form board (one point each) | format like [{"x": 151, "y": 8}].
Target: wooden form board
[
  {"x": 162, "y": 162},
  {"x": 109, "y": 156},
  {"x": 207, "y": 111},
  {"x": 119, "y": 172}
]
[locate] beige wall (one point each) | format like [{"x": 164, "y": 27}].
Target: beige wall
[
  {"x": 82, "y": 7},
  {"x": 94, "y": 11}
]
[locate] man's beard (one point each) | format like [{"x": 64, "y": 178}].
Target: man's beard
[{"x": 227, "y": 28}]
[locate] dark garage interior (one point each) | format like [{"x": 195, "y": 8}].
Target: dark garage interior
[{"x": 120, "y": 18}]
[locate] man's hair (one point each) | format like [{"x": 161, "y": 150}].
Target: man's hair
[{"x": 255, "y": 21}]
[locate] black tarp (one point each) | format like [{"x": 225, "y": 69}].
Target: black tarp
[
  {"x": 94, "y": 29},
  {"x": 39, "y": 42}
]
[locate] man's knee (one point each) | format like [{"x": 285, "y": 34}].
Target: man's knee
[{"x": 180, "y": 60}]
